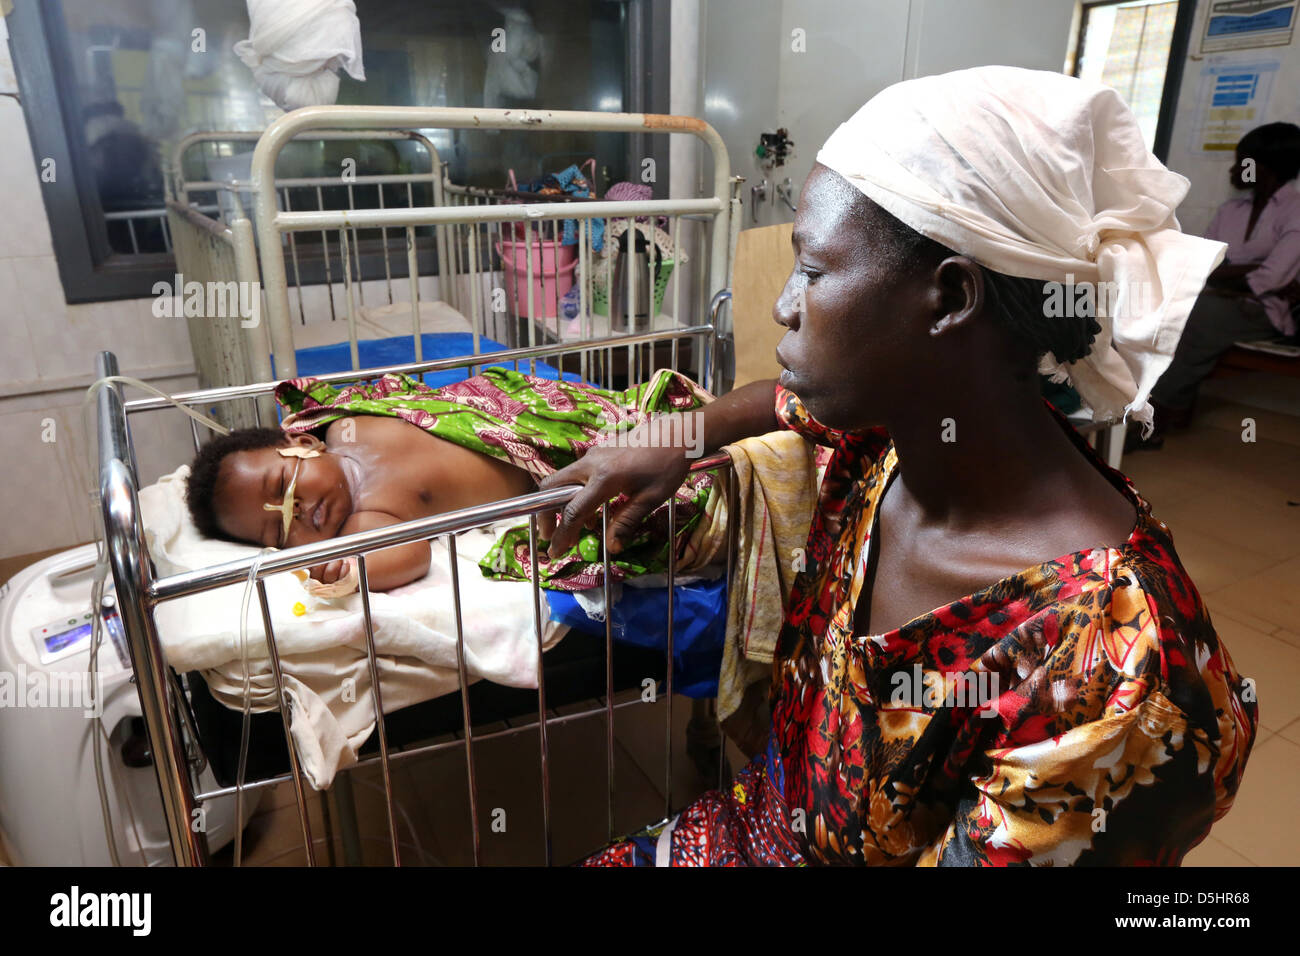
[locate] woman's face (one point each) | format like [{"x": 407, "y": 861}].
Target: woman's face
[
  {"x": 855, "y": 318},
  {"x": 252, "y": 479}
]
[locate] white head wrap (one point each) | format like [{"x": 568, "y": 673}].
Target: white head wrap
[{"x": 1042, "y": 176}]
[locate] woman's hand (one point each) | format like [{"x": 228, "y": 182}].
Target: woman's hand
[{"x": 646, "y": 477}]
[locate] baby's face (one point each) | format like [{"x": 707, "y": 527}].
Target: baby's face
[{"x": 250, "y": 480}]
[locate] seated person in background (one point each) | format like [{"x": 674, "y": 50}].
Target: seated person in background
[
  {"x": 1247, "y": 296},
  {"x": 362, "y": 456}
]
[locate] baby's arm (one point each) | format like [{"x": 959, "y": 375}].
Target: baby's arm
[{"x": 387, "y": 569}]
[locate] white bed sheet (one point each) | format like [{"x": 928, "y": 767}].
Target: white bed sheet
[{"x": 322, "y": 646}]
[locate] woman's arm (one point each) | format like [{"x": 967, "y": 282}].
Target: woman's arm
[{"x": 648, "y": 476}]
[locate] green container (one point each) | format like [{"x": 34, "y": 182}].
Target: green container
[{"x": 600, "y": 289}]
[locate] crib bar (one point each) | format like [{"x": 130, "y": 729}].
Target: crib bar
[
  {"x": 325, "y": 256},
  {"x": 630, "y": 235},
  {"x": 464, "y": 698},
  {"x": 300, "y": 794},
  {"x": 733, "y": 534},
  {"x": 297, "y": 273},
  {"x": 679, "y": 273},
  {"x": 651, "y": 311},
  {"x": 234, "y": 392},
  {"x": 584, "y": 301},
  {"x": 372, "y": 661},
  {"x": 532, "y": 308},
  {"x": 306, "y": 221},
  {"x": 668, "y": 687},
  {"x": 542, "y": 738},
  {"x": 609, "y": 662},
  {"x": 413, "y": 272},
  {"x": 356, "y": 252},
  {"x": 353, "y": 349},
  {"x": 475, "y": 288},
  {"x": 383, "y": 241}
]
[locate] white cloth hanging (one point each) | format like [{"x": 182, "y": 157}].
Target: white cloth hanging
[{"x": 295, "y": 47}]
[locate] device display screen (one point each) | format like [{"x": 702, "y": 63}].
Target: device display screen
[{"x": 57, "y": 642}]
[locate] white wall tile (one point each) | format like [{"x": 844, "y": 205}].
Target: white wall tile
[
  {"x": 18, "y": 357},
  {"x": 35, "y": 498},
  {"x": 59, "y": 351},
  {"x": 24, "y": 227}
]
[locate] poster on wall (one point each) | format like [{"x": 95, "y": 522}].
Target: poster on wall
[
  {"x": 1231, "y": 98},
  {"x": 1247, "y": 24}
]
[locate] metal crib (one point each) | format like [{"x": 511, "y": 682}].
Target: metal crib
[
  {"x": 455, "y": 242},
  {"x": 170, "y": 726}
]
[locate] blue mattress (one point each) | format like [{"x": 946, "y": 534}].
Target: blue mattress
[{"x": 400, "y": 350}]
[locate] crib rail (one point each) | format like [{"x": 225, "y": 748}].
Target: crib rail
[
  {"x": 139, "y": 593},
  {"x": 468, "y": 251},
  {"x": 478, "y": 236}
]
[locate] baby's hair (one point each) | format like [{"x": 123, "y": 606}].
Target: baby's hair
[{"x": 205, "y": 473}]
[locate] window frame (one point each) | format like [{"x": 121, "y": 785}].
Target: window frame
[
  {"x": 1178, "y": 47},
  {"x": 91, "y": 271}
]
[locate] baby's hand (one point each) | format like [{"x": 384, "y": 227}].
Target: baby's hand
[{"x": 331, "y": 572}]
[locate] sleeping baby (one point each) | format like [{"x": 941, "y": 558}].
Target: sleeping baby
[{"x": 361, "y": 456}]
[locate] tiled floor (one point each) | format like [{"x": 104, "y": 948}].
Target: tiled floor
[{"x": 1227, "y": 502}]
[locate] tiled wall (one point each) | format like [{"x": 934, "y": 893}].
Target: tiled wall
[{"x": 47, "y": 351}]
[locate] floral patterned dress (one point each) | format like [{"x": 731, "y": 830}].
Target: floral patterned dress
[{"x": 1116, "y": 732}]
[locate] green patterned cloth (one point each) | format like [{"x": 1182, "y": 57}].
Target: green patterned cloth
[{"x": 535, "y": 424}]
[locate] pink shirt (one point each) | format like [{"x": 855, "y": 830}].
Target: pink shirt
[{"x": 1275, "y": 245}]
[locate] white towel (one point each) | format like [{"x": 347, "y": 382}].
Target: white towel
[{"x": 294, "y": 48}]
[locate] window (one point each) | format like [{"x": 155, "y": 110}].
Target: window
[
  {"x": 110, "y": 86},
  {"x": 1127, "y": 46}
]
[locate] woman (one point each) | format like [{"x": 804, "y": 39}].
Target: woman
[
  {"x": 1075, "y": 707},
  {"x": 1252, "y": 295}
]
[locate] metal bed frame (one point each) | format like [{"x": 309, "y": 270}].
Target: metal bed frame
[
  {"x": 465, "y": 220},
  {"x": 233, "y": 251},
  {"x": 139, "y": 592}
]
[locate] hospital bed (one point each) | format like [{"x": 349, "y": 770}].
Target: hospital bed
[{"x": 177, "y": 718}]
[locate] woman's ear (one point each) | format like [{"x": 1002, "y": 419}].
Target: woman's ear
[{"x": 959, "y": 289}]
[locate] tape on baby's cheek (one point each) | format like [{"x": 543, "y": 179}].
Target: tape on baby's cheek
[{"x": 297, "y": 451}]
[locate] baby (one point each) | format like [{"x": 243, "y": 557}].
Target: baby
[
  {"x": 353, "y": 457},
  {"x": 262, "y": 486}
]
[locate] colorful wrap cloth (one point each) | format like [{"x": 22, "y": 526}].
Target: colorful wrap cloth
[
  {"x": 540, "y": 426},
  {"x": 569, "y": 181}
]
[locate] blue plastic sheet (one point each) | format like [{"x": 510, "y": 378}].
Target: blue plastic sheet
[
  {"x": 640, "y": 617},
  {"x": 400, "y": 350}
]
